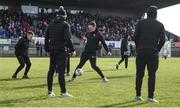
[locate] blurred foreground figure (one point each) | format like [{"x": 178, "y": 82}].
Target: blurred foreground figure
[
  {"x": 149, "y": 38},
  {"x": 57, "y": 39}
]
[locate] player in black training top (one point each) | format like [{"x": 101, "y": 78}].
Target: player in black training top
[
  {"x": 124, "y": 52},
  {"x": 93, "y": 37},
  {"x": 21, "y": 52}
]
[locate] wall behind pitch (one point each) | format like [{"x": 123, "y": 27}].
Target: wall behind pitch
[
  {"x": 106, "y": 12},
  {"x": 111, "y": 12}
]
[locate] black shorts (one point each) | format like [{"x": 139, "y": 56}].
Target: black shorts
[{"x": 88, "y": 55}]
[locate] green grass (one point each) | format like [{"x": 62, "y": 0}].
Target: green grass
[{"x": 89, "y": 90}]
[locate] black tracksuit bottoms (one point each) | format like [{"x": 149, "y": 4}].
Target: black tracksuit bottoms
[
  {"x": 23, "y": 60},
  {"x": 67, "y": 66},
  {"x": 57, "y": 61},
  {"x": 151, "y": 60},
  {"x": 67, "y": 63},
  {"x": 92, "y": 58},
  {"x": 124, "y": 58}
]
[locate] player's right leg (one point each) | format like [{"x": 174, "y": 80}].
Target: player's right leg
[
  {"x": 140, "y": 68},
  {"x": 83, "y": 60},
  {"x": 68, "y": 65},
  {"x": 122, "y": 59},
  {"x": 61, "y": 64},
  {"x": 97, "y": 69},
  {"x": 28, "y": 66},
  {"x": 51, "y": 71},
  {"x": 152, "y": 67},
  {"x": 21, "y": 66},
  {"x": 126, "y": 62}
]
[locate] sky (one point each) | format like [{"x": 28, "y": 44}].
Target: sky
[{"x": 170, "y": 17}]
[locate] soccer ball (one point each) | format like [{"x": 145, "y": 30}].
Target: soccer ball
[{"x": 79, "y": 72}]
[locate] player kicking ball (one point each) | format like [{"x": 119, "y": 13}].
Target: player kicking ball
[{"x": 93, "y": 37}]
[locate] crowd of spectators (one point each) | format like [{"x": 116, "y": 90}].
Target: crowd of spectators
[
  {"x": 14, "y": 23},
  {"x": 112, "y": 28}
]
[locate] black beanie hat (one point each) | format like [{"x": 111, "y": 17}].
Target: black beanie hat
[
  {"x": 62, "y": 12},
  {"x": 152, "y": 11}
]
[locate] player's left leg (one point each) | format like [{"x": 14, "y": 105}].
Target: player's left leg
[
  {"x": 126, "y": 62},
  {"x": 68, "y": 65},
  {"x": 122, "y": 59},
  {"x": 51, "y": 71},
  {"x": 152, "y": 67},
  {"x": 61, "y": 65},
  {"x": 21, "y": 66},
  {"x": 83, "y": 60},
  {"x": 140, "y": 70},
  {"x": 117, "y": 65},
  {"x": 96, "y": 68},
  {"x": 28, "y": 66}
]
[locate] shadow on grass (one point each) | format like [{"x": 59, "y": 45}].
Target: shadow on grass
[
  {"x": 10, "y": 79},
  {"x": 105, "y": 70},
  {"x": 178, "y": 83},
  {"x": 75, "y": 83},
  {"x": 39, "y": 77},
  {"x": 130, "y": 103},
  {"x": 33, "y": 86},
  {"x": 113, "y": 77},
  {"x": 13, "y": 102}
]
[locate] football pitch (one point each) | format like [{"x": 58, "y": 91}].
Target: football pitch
[{"x": 88, "y": 90}]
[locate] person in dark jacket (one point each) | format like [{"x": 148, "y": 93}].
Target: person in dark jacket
[
  {"x": 21, "y": 52},
  {"x": 57, "y": 38},
  {"x": 124, "y": 52},
  {"x": 93, "y": 37},
  {"x": 149, "y": 38}
]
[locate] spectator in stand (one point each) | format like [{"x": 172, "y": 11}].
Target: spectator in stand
[{"x": 2, "y": 32}]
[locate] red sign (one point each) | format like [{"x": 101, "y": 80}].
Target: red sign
[{"x": 177, "y": 44}]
